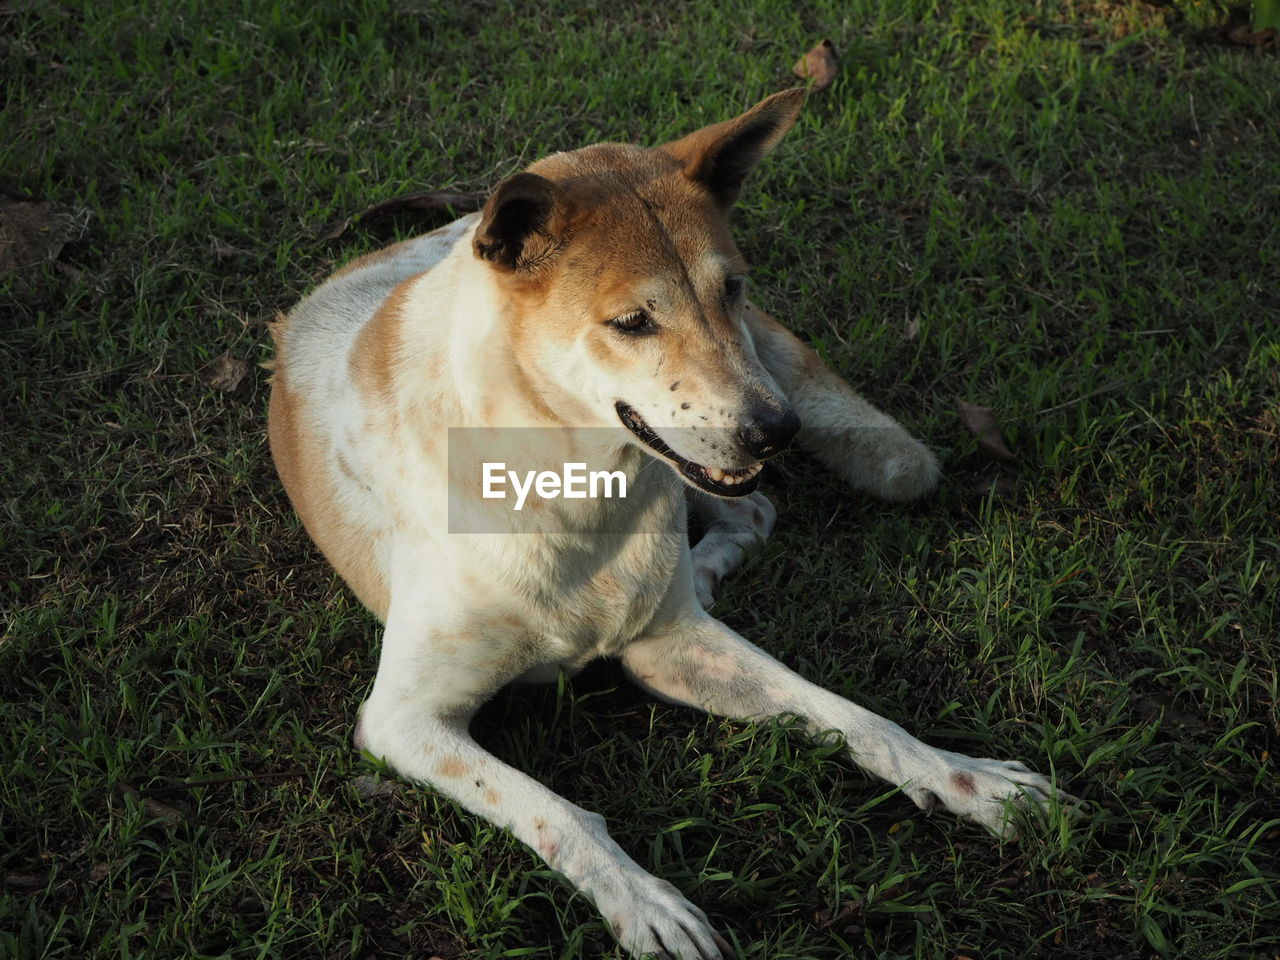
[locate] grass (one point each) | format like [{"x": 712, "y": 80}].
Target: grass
[{"x": 1065, "y": 211}]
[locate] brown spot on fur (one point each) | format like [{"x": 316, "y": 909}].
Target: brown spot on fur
[
  {"x": 547, "y": 846},
  {"x": 452, "y": 766},
  {"x": 963, "y": 782},
  {"x": 491, "y": 797}
]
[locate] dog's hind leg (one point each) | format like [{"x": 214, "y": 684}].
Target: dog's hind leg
[
  {"x": 435, "y": 670},
  {"x": 868, "y": 449},
  {"x": 730, "y": 528}
]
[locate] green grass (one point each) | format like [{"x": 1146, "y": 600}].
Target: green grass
[{"x": 1076, "y": 208}]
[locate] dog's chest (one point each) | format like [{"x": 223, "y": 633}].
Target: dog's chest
[{"x": 591, "y": 602}]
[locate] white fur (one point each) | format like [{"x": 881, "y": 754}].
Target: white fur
[{"x": 471, "y": 612}]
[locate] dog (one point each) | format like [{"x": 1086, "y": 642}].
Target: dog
[{"x": 594, "y": 314}]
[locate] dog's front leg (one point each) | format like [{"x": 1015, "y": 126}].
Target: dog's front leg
[
  {"x": 700, "y": 662},
  {"x": 431, "y": 678},
  {"x": 866, "y": 447}
]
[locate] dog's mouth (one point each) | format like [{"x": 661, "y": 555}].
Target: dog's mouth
[{"x": 713, "y": 480}]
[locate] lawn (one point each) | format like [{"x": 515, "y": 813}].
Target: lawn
[{"x": 1066, "y": 211}]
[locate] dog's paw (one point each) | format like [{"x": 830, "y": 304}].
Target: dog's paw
[
  {"x": 706, "y": 582},
  {"x": 910, "y": 472},
  {"x": 981, "y": 790},
  {"x": 653, "y": 918},
  {"x": 732, "y": 528}
]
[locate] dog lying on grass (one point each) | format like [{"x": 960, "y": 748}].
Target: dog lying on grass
[{"x": 593, "y": 314}]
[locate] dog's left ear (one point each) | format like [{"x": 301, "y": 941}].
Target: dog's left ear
[
  {"x": 720, "y": 156},
  {"x": 524, "y": 223}
]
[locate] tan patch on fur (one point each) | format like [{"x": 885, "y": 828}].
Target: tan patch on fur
[
  {"x": 304, "y": 470},
  {"x": 279, "y": 330},
  {"x": 491, "y": 797},
  {"x": 375, "y": 355},
  {"x": 547, "y": 846},
  {"x": 452, "y": 767}
]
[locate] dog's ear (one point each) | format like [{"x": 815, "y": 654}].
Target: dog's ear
[
  {"x": 524, "y": 223},
  {"x": 720, "y": 156}
]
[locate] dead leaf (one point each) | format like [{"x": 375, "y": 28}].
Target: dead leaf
[
  {"x": 825, "y": 919},
  {"x": 154, "y": 808},
  {"x": 1002, "y": 485},
  {"x": 33, "y": 231},
  {"x": 818, "y": 66},
  {"x": 23, "y": 880},
  {"x": 1245, "y": 36},
  {"x": 436, "y": 200},
  {"x": 1161, "y": 705},
  {"x": 981, "y": 422},
  {"x": 162, "y": 811},
  {"x": 370, "y": 787},
  {"x": 100, "y": 871},
  {"x": 911, "y": 330},
  {"x": 226, "y": 372}
]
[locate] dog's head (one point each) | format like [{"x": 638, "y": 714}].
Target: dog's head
[{"x": 625, "y": 295}]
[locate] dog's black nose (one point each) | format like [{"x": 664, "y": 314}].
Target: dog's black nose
[{"x": 768, "y": 431}]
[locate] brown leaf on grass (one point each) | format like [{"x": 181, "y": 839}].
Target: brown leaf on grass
[
  {"x": 1246, "y": 36},
  {"x": 1002, "y": 485},
  {"x": 226, "y": 372},
  {"x": 447, "y": 200},
  {"x": 23, "y": 880},
  {"x": 1163, "y": 706},
  {"x": 33, "y": 231},
  {"x": 370, "y": 787},
  {"x": 981, "y": 422},
  {"x": 154, "y": 808},
  {"x": 825, "y": 918},
  {"x": 818, "y": 66}
]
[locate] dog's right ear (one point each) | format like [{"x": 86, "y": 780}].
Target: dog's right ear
[
  {"x": 720, "y": 156},
  {"x": 524, "y": 224}
]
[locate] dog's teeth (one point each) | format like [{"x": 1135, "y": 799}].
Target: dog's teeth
[
  {"x": 754, "y": 469},
  {"x": 716, "y": 474},
  {"x": 729, "y": 479}
]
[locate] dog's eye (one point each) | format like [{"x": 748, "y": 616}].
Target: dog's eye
[
  {"x": 638, "y": 322},
  {"x": 734, "y": 287}
]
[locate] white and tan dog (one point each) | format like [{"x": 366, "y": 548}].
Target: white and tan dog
[{"x": 597, "y": 302}]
